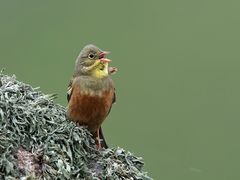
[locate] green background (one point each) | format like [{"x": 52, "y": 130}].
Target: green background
[{"x": 178, "y": 90}]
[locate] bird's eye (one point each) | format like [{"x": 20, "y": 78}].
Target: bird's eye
[{"x": 91, "y": 56}]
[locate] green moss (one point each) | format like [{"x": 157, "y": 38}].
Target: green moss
[{"x": 37, "y": 141}]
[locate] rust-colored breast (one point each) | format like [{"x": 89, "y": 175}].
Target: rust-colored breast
[{"x": 88, "y": 109}]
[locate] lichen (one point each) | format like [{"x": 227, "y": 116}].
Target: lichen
[{"x": 37, "y": 141}]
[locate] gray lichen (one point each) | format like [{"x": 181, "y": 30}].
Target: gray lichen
[{"x": 38, "y": 142}]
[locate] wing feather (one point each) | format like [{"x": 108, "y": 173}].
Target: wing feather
[{"x": 69, "y": 90}]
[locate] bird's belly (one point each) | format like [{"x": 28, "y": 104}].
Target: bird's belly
[{"x": 90, "y": 110}]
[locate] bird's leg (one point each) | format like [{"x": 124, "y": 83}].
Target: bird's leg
[{"x": 98, "y": 141}]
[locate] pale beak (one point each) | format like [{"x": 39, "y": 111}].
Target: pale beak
[
  {"x": 105, "y": 60},
  {"x": 102, "y": 56},
  {"x": 106, "y": 52}
]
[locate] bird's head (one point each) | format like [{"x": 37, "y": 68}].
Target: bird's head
[{"x": 92, "y": 62}]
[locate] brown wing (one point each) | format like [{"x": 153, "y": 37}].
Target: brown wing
[
  {"x": 113, "y": 100},
  {"x": 69, "y": 90},
  {"x": 103, "y": 143},
  {"x": 114, "y": 96}
]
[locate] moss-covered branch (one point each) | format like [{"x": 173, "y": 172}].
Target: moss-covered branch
[{"x": 38, "y": 142}]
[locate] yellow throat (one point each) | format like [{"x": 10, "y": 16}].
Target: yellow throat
[{"x": 101, "y": 70}]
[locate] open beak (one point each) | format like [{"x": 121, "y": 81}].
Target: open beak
[
  {"x": 102, "y": 56},
  {"x": 105, "y": 60}
]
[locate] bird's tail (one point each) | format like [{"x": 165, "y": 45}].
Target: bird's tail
[{"x": 103, "y": 142}]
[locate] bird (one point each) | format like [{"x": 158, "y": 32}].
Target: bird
[{"x": 91, "y": 91}]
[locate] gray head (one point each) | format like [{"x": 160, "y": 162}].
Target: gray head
[{"x": 89, "y": 58}]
